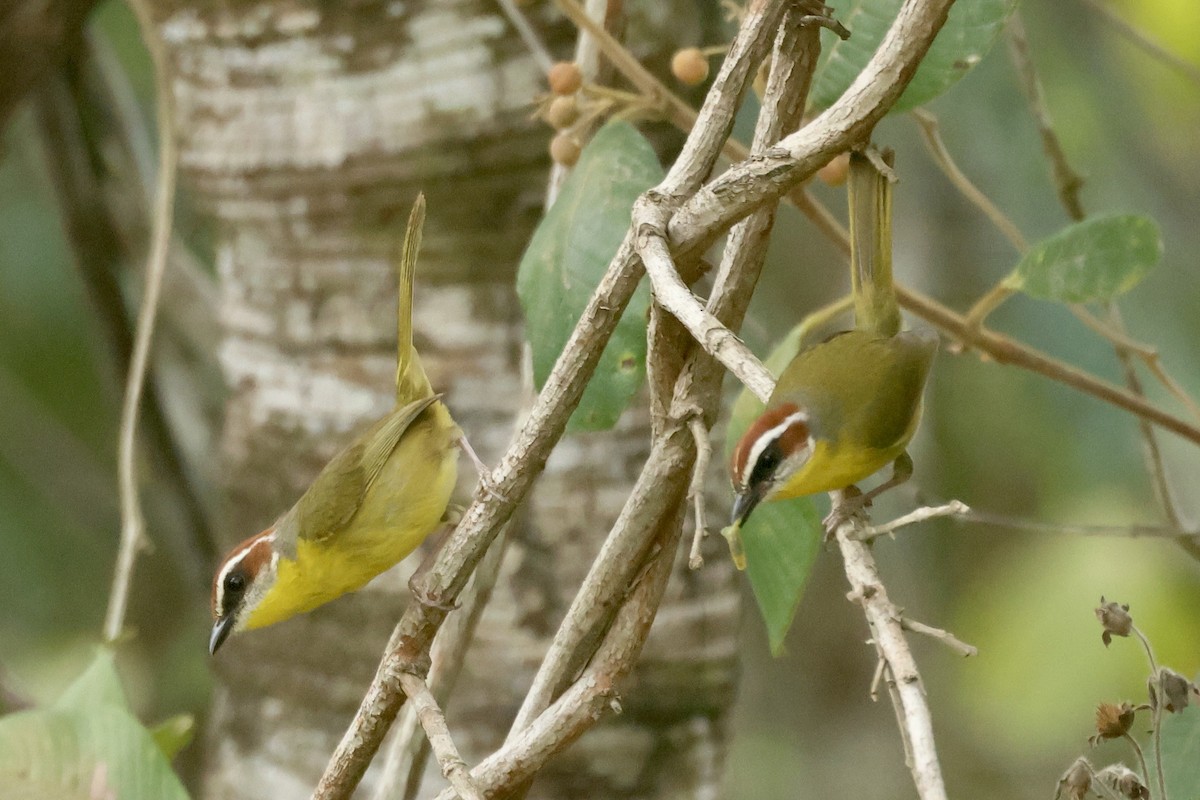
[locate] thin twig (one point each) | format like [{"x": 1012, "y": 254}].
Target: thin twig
[
  {"x": 133, "y": 525},
  {"x": 1066, "y": 180},
  {"x": 1142, "y": 40},
  {"x": 1038, "y": 526},
  {"x": 1141, "y": 757},
  {"x": 696, "y": 488},
  {"x": 939, "y": 635},
  {"x": 877, "y": 678},
  {"x": 434, "y": 722},
  {"x": 533, "y": 42},
  {"x": 954, "y": 508},
  {"x": 932, "y": 135},
  {"x": 1156, "y": 676},
  {"x": 1152, "y": 454}
]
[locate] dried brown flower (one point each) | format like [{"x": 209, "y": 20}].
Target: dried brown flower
[
  {"x": 1125, "y": 781},
  {"x": 1175, "y": 690},
  {"x": 1115, "y": 619},
  {"x": 1112, "y": 721},
  {"x": 1075, "y": 782}
]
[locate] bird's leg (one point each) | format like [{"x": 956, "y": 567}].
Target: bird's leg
[
  {"x": 485, "y": 482},
  {"x": 902, "y": 470}
]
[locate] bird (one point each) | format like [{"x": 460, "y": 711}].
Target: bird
[
  {"x": 848, "y": 406},
  {"x": 368, "y": 508}
]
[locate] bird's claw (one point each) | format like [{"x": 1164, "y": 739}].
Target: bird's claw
[
  {"x": 487, "y": 489},
  {"x": 421, "y": 596},
  {"x": 851, "y": 504}
]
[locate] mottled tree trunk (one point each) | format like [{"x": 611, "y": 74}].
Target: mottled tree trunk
[{"x": 306, "y": 129}]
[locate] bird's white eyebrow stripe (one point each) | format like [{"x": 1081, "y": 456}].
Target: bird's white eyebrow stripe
[
  {"x": 233, "y": 560},
  {"x": 769, "y": 436}
]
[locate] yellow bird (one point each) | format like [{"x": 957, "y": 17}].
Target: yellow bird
[
  {"x": 847, "y": 407},
  {"x": 371, "y": 505}
]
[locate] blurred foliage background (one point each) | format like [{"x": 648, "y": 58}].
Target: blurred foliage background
[{"x": 997, "y": 438}]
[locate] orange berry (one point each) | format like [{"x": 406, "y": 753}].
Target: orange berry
[
  {"x": 834, "y": 173},
  {"x": 565, "y": 78},
  {"x": 689, "y": 66},
  {"x": 564, "y": 149},
  {"x": 562, "y": 112}
]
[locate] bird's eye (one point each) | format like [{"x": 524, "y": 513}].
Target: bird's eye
[{"x": 235, "y": 582}]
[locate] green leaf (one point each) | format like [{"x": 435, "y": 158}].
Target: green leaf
[
  {"x": 964, "y": 40},
  {"x": 173, "y": 734},
  {"x": 97, "y": 686},
  {"x": 1096, "y": 259},
  {"x": 97, "y": 752},
  {"x": 1180, "y": 746},
  {"x": 566, "y": 258},
  {"x": 782, "y": 538}
]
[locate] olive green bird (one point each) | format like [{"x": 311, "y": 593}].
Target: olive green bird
[
  {"x": 371, "y": 505},
  {"x": 847, "y": 407}
]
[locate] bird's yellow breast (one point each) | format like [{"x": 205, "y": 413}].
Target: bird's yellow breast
[
  {"x": 836, "y": 465},
  {"x": 401, "y": 509}
]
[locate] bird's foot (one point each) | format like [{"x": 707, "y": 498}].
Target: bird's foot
[
  {"x": 421, "y": 596},
  {"x": 849, "y": 504}
]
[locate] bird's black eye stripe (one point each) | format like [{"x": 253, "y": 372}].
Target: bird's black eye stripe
[{"x": 768, "y": 460}]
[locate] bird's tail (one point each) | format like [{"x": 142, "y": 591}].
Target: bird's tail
[
  {"x": 411, "y": 381},
  {"x": 875, "y": 307}
]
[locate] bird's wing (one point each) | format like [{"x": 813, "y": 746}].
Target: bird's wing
[{"x": 337, "y": 493}]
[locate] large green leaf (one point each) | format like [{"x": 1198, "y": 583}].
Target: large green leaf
[
  {"x": 1181, "y": 753},
  {"x": 566, "y": 258},
  {"x": 1096, "y": 259},
  {"x": 781, "y": 539},
  {"x": 87, "y": 744},
  {"x": 97, "y": 752},
  {"x": 964, "y": 40}
]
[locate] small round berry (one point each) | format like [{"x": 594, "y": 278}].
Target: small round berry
[
  {"x": 565, "y": 78},
  {"x": 562, "y": 111},
  {"x": 564, "y": 149},
  {"x": 689, "y": 66},
  {"x": 834, "y": 173}
]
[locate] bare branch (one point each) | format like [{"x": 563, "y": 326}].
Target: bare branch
[
  {"x": 434, "y": 723},
  {"x": 954, "y": 508},
  {"x": 133, "y": 525},
  {"x": 696, "y": 488},
  {"x": 939, "y": 635},
  {"x": 887, "y": 632},
  {"x": 583, "y": 703}
]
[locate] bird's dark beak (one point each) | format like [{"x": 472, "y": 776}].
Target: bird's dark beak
[
  {"x": 745, "y": 503},
  {"x": 220, "y": 632}
]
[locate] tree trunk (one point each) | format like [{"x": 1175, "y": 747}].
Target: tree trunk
[{"x": 306, "y": 130}]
